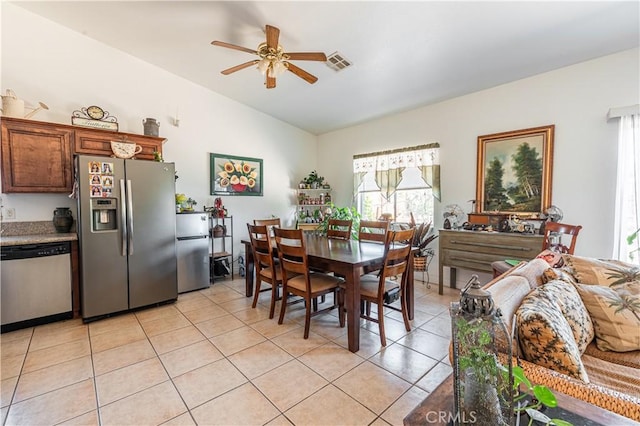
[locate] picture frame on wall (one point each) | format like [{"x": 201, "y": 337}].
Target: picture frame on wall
[
  {"x": 234, "y": 175},
  {"x": 514, "y": 171}
]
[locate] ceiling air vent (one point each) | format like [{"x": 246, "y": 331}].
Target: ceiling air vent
[{"x": 337, "y": 62}]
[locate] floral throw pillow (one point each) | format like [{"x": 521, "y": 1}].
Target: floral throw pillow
[
  {"x": 601, "y": 272},
  {"x": 615, "y": 312},
  {"x": 545, "y": 334}
]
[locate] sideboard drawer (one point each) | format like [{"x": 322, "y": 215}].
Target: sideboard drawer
[
  {"x": 470, "y": 260},
  {"x": 476, "y": 250}
]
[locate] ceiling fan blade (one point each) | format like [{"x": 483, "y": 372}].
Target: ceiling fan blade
[
  {"x": 307, "y": 56},
  {"x": 302, "y": 73},
  {"x": 239, "y": 67},
  {"x": 271, "y": 82},
  {"x": 273, "y": 34},
  {"x": 233, "y": 46}
]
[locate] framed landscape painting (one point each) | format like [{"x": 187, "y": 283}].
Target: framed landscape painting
[
  {"x": 514, "y": 171},
  {"x": 232, "y": 175}
]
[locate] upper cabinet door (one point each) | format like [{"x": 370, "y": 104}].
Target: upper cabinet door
[
  {"x": 36, "y": 157},
  {"x": 98, "y": 142}
]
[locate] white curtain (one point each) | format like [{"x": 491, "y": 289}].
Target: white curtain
[
  {"x": 627, "y": 209},
  {"x": 389, "y": 165}
]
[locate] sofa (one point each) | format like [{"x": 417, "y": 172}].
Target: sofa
[{"x": 570, "y": 334}]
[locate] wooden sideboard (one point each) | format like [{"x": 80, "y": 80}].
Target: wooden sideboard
[{"x": 475, "y": 250}]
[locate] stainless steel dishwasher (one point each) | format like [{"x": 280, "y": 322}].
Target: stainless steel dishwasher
[{"x": 36, "y": 284}]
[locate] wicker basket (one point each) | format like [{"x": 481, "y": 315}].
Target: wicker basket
[
  {"x": 219, "y": 231},
  {"x": 420, "y": 263}
]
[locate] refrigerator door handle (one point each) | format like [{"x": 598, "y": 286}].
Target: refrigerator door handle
[
  {"x": 123, "y": 220},
  {"x": 130, "y": 213}
]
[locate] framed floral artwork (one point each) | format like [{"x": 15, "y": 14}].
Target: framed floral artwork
[
  {"x": 232, "y": 175},
  {"x": 514, "y": 171}
]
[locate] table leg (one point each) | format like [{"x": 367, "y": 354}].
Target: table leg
[
  {"x": 352, "y": 304},
  {"x": 441, "y": 277},
  {"x": 248, "y": 270}
]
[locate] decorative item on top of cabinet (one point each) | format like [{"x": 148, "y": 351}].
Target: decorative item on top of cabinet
[
  {"x": 94, "y": 117},
  {"x": 12, "y": 106},
  {"x": 151, "y": 127},
  {"x": 36, "y": 156}
]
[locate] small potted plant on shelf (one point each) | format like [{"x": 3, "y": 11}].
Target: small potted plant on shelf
[{"x": 313, "y": 180}]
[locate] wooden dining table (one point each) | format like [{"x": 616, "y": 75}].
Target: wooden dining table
[{"x": 346, "y": 258}]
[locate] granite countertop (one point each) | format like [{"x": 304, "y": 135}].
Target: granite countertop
[
  {"x": 18, "y": 233},
  {"x": 17, "y": 240}
]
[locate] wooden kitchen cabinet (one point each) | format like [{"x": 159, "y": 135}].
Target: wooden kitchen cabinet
[
  {"x": 475, "y": 250},
  {"x": 38, "y": 156},
  {"x": 98, "y": 142}
]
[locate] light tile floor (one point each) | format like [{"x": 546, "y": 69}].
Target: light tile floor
[{"x": 211, "y": 359}]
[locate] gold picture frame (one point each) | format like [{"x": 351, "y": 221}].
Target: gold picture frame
[{"x": 514, "y": 171}]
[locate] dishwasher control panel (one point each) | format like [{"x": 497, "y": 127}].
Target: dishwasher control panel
[{"x": 27, "y": 251}]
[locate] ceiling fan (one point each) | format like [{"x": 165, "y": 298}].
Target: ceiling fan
[{"x": 274, "y": 61}]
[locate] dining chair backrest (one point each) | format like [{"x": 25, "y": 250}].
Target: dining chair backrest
[
  {"x": 275, "y": 221},
  {"x": 397, "y": 252},
  {"x": 270, "y": 223},
  {"x": 292, "y": 253},
  {"x": 338, "y": 228},
  {"x": 261, "y": 245},
  {"x": 553, "y": 232},
  {"x": 373, "y": 230}
]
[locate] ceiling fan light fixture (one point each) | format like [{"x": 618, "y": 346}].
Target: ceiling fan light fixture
[
  {"x": 263, "y": 65},
  {"x": 278, "y": 68}
]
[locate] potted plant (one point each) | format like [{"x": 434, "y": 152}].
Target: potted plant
[
  {"x": 342, "y": 213},
  {"x": 313, "y": 180},
  {"x": 424, "y": 235}
]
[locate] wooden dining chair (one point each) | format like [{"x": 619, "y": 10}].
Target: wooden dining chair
[
  {"x": 553, "y": 233},
  {"x": 382, "y": 290},
  {"x": 266, "y": 269},
  {"x": 274, "y": 221},
  {"x": 337, "y": 228},
  {"x": 298, "y": 280},
  {"x": 373, "y": 230}
]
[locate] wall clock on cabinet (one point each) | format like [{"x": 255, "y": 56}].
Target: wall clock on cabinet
[{"x": 95, "y": 117}]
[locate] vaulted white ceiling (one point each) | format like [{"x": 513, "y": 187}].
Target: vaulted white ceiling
[{"x": 404, "y": 54}]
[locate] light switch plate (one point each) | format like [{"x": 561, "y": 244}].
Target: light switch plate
[{"x": 11, "y": 213}]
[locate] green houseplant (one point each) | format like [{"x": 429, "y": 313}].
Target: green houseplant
[
  {"x": 313, "y": 180},
  {"x": 480, "y": 364},
  {"x": 342, "y": 213}
]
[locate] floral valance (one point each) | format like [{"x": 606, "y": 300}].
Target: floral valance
[{"x": 388, "y": 167}]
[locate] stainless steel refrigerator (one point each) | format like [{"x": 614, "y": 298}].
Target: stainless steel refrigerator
[
  {"x": 127, "y": 234},
  {"x": 192, "y": 233}
]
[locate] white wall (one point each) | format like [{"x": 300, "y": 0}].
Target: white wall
[
  {"x": 43, "y": 61},
  {"x": 576, "y": 99}
]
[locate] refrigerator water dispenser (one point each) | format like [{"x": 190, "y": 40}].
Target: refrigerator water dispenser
[{"x": 104, "y": 213}]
